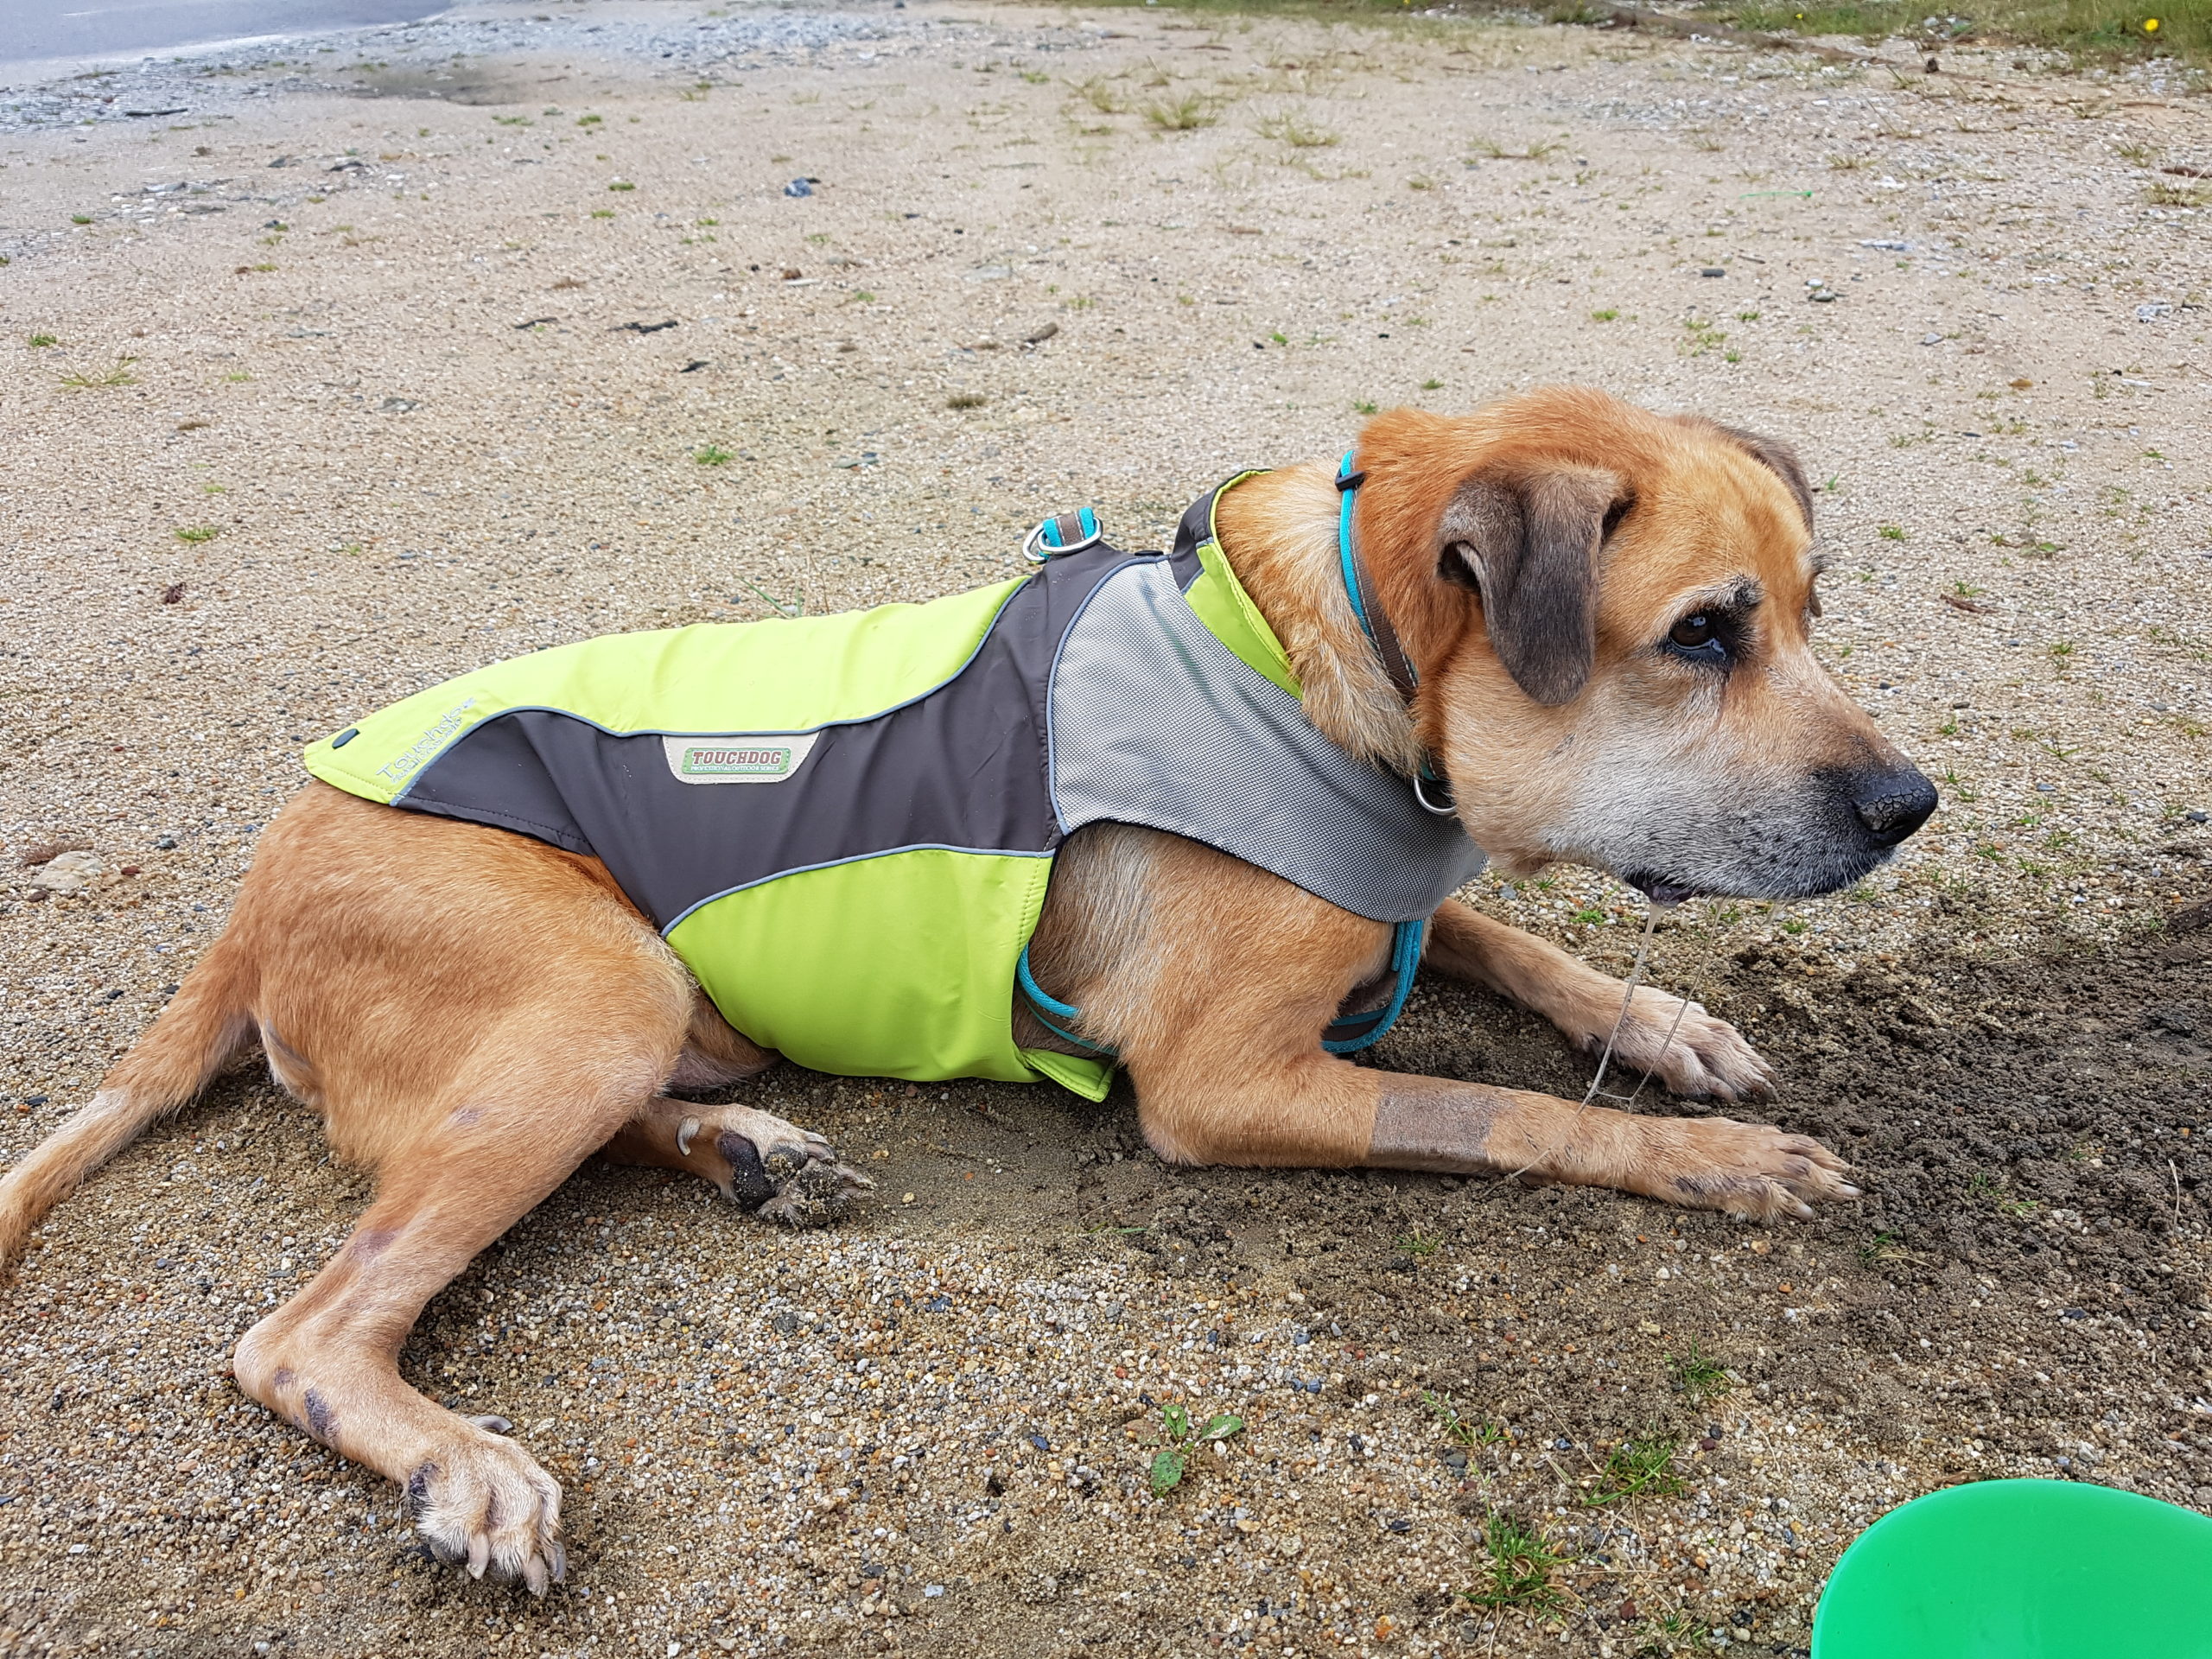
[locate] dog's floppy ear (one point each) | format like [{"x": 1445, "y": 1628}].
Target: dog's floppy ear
[
  {"x": 1783, "y": 459},
  {"x": 1528, "y": 545},
  {"x": 1772, "y": 453}
]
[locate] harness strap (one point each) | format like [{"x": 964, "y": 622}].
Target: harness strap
[
  {"x": 1360, "y": 589},
  {"x": 1431, "y": 788},
  {"x": 1346, "y": 1034}
]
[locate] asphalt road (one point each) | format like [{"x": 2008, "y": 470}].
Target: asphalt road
[{"x": 32, "y": 29}]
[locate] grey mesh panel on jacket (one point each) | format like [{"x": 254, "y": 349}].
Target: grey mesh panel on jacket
[{"x": 1153, "y": 721}]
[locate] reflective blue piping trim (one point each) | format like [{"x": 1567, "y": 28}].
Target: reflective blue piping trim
[
  {"x": 1042, "y": 1005},
  {"x": 1405, "y": 963},
  {"x": 1344, "y": 545}
]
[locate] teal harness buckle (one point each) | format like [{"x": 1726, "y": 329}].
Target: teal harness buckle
[{"x": 1063, "y": 532}]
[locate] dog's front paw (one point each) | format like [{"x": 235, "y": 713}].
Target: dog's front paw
[
  {"x": 1751, "y": 1170},
  {"x": 1706, "y": 1057},
  {"x": 773, "y": 1168},
  {"x": 484, "y": 1503}
]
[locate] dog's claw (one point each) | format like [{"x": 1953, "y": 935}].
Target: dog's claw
[
  {"x": 482, "y": 1503},
  {"x": 494, "y": 1425},
  {"x": 685, "y": 1134}
]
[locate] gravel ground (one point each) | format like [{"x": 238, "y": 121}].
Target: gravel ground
[{"x": 363, "y": 361}]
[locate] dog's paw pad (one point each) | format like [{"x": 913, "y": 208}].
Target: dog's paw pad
[{"x": 782, "y": 1172}]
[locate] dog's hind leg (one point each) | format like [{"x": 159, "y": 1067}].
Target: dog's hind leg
[
  {"x": 1686, "y": 1048},
  {"x": 761, "y": 1163},
  {"x": 524, "y": 1110}
]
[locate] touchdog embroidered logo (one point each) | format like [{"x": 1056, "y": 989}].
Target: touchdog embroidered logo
[
  {"x": 427, "y": 744},
  {"x": 739, "y": 758}
]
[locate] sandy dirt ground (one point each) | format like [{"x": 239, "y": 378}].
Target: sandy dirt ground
[{"x": 331, "y": 370}]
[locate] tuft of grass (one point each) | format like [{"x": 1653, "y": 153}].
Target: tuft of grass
[
  {"x": 1669, "y": 1633},
  {"x": 1473, "y": 1434},
  {"x": 1519, "y": 1569},
  {"x": 2162, "y": 193},
  {"x": 1638, "y": 1467},
  {"x": 966, "y": 400},
  {"x": 1184, "y": 114},
  {"x": 1883, "y": 1247},
  {"x": 1363, "y": 408},
  {"x": 1493, "y": 150},
  {"x": 1890, "y": 533},
  {"x": 43, "y": 341},
  {"x": 80, "y": 218},
  {"x": 1419, "y": 1243},
  {"x": 196, "y": 534},
  {"x": 712, "y": 455},
  {"x": 1183, "y": 1436},
  {"x": 1996, "y": 1191},
  {"x": 1611, "y": 314},
  {"x": 1432, "y": 385},
  {"x": 2088, "y": 30},
  {"x": 621, "y": 184},
  {"x": 1101, "y": 97},
  {"x": 1705, "y": 336},
  {"x": 796, "y": 606},
  {"x": 1297, "y": 132},
  {"x": 1698, "y": 1374},
  {"x": 120, "y": 375}
]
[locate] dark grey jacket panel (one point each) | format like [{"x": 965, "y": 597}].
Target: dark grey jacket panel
[{"x": 962, "y": 766}]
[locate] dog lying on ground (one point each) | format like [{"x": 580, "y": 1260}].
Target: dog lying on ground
[{"x": 1587, "y": 623}]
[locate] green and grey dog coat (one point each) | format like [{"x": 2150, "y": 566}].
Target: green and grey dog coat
[{"x": 844, "y": 825}]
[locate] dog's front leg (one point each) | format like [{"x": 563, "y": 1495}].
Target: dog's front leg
[
  {"x": 1685, "y": 1048},
  {"x": 1751, "y": 1170},
  {"x": 1217, "y": 1010},
  {"x": 1324, "y": 1112}
]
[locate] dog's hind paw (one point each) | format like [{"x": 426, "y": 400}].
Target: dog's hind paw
[
  {"x": 1708, "y": 1058},
  {"x": 773, "y": 1168},
  {"x": 485, "y": 1503}
]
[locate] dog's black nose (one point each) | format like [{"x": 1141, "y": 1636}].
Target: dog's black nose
[{"x": 1892, "y": 804}]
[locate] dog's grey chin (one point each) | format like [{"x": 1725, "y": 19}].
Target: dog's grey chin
[
  {"x": 1831, "y": 876},
  {"x": 1658, "y": 889}
]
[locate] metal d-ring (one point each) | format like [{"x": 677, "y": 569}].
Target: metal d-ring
[{"x": 1449, "y": 809}]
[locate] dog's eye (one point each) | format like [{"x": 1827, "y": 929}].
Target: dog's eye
[{"x": 1705, "y": 637}]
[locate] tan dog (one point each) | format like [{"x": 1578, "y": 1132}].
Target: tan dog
[{"x": 1608, "y": 613}]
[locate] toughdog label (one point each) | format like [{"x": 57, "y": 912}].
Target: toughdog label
[{"x": 737, "y": 759}]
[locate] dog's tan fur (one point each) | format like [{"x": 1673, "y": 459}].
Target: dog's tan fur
[{"x": 474, "y": 1012}]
